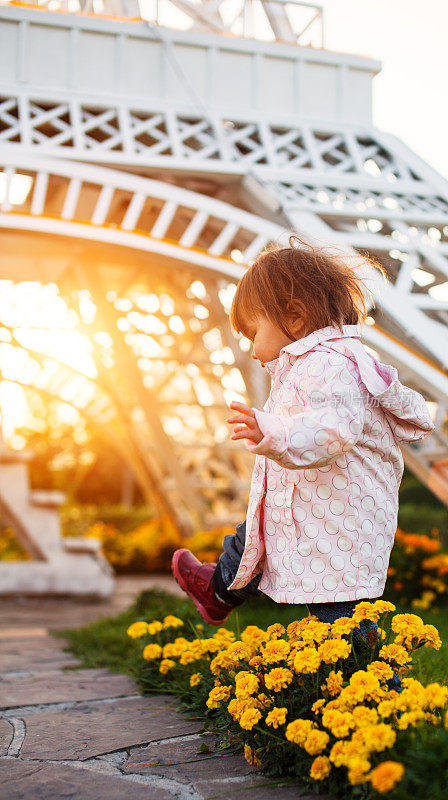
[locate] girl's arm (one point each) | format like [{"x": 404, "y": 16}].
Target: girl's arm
[{"x": 330, "y": 424}]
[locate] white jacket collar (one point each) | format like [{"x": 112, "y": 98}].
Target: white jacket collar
[
  {"x": 302, "y": 346},
  {"x": 321, "y": 335}
]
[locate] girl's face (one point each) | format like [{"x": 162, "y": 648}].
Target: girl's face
[{"x": 267, "y": 339}]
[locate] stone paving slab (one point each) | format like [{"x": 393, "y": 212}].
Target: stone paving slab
[
  {"x": 24, "y": 780},
  {"x": 32, "y": 653},
  {"x": 181, "y": 760},
  {"x": 251, "y": 788},
  {"x": 6, "y": 734},
  {"x": 56, "y": 613},
  {"x": 58, "y": 686},
  {"x": 89, "y": 729}
]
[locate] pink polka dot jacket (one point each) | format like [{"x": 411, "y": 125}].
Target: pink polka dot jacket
[{"x": 323, "y": 503}]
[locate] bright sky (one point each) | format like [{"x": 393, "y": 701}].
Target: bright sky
[{"x": 410, "y": 38}]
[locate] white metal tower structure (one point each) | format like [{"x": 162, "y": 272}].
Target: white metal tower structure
[{"x": 164, "y": 160}]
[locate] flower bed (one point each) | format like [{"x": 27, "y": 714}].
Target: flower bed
[
  {"x": 418, "y": 570},
  {"x": 307, "y": 703},
  {"x": 150, "y": 546}
]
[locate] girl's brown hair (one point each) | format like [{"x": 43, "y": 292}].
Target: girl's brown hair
[{"x": 305, "y": 282}]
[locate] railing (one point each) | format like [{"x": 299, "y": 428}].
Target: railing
[{"x": 291, "y": 21}]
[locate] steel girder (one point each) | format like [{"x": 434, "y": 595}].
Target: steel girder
[{"x": 200, "y": 220}]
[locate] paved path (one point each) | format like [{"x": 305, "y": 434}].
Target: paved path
[{"x": 89, "y": 734}]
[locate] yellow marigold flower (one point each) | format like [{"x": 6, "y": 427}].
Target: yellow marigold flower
[
  {"x": 172, "y": 622},
  {"x": 276, "y": 717},
  {"x": 275, "y": 651},
  {"x": 334, "y": 649},
  {"x": 294, "y": 628},
  {"x": 386, "y": 775},
  {"x": 222, "y": 633},
  {"x": 396, "y": 653},
  {"x": 358, "y": 767},
  {"x": 154, "y": 627},
  {"x": 316, "y": 632},
  {"x": 249, "y": 718},
  {"x": 383, "y": 607},
  {"x": 307, "y": 660},
  {"x": 364, "y": 685},
  {"x": 298, "y": 731},
  {"x": 188, "y": 657},
  {"x": 414, "y": 688},
  {"x": 165, "y": 665},
  {"x": 278, "y": 678},
  {"x": 168, "y": 650},
  {"x": 246, "y": 684},
  {"x": 370, "y": 611},
  {"x": 238, "y": 651},
  {"x": 364, "y": 716},
  {"x": 386, "y": 708},
  {"x": 317, "y": 706},
  {"x": 137, "y": 629},
  {"x": 338, "y": 722},
  {"x": 343, "y": 626},
  {"x": 152, "y": 651},
  {"x": 316, "y": 741},
  {"x": 236, "y": 707},
  {"x": 337, "y": 753},
  {"x": 209, "y": 645},
  {"x": 410, "y": 718},
  {"x": 381, "y": 670},
  {"x": 256, "y": 661},
  {"x": 375, "y": 738},
  {"x": 435, "y": 695},
  {"x": 333, "y": 684},
  {"x": 264, "y": 699},
  {"x": 219, "y": 662},
  {"x": 181, "y": 641},
  {"x": 251, "y": 756},
  {"x": 432, "y": 638},
  {"x": 275, "y": 631},
  {"x": 253, "y": 635},
  {"x": 195, "y": 679},
  {"x": 320, "y": 768},
  {"x": 217, "y": 695},
  {"x": 407, "y": 624}
]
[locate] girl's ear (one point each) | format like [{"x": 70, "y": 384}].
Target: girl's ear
[{"x": 296, "y": 314}]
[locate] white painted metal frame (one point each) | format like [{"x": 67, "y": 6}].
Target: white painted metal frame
[{"x": 207, "y": 15}]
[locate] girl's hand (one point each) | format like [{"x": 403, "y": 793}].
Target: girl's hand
[{"x": 249, "y": 429}]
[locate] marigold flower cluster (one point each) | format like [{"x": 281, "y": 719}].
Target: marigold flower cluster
[{"x": 310, "y": 688}]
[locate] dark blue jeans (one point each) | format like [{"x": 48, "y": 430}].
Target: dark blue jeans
[{"x": 226, "y": 570}]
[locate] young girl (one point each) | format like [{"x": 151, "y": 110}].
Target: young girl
[{"x": 323, "y": 502}]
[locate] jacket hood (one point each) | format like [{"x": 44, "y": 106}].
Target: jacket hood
[{"x": 406, "y": 409}]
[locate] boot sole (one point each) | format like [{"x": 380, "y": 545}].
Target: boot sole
[{"x": 180, "y": 581}]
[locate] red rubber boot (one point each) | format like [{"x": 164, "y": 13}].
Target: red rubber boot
[{"x": 196, "y": 580}]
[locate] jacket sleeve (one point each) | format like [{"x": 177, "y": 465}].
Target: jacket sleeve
[{"x": 331, "y": 423}]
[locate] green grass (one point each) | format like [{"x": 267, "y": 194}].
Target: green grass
[{"x": 104, "y": 643}]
